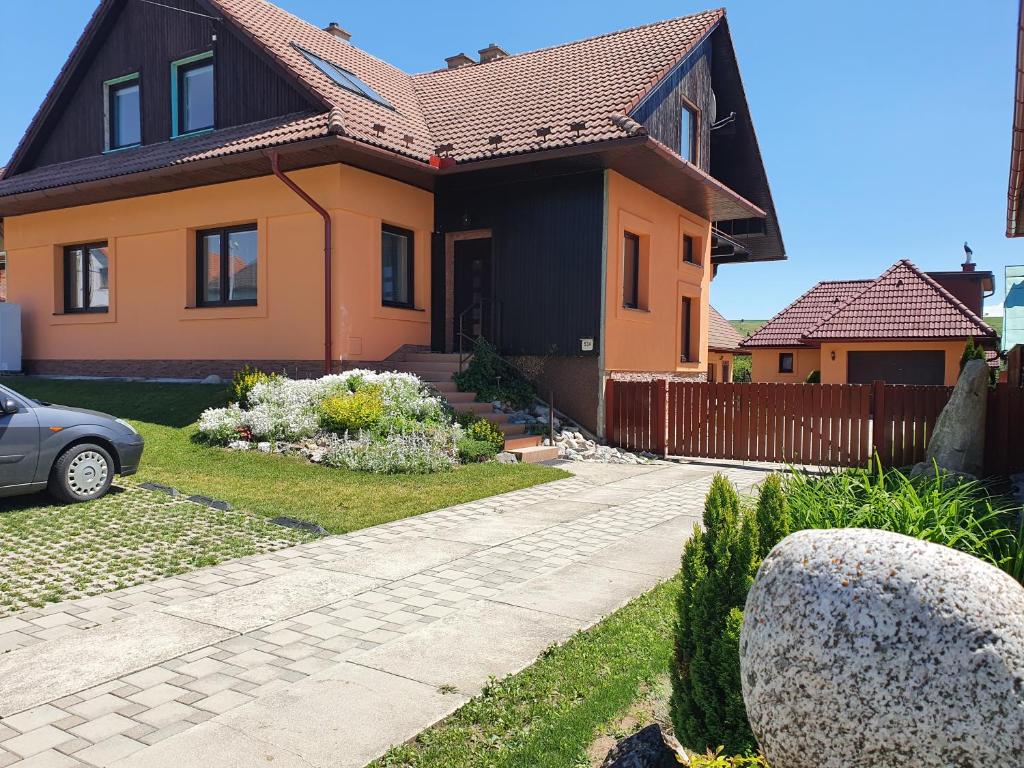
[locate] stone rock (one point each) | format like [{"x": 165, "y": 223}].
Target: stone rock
[
  {"x": 869, "y": 649},
  {"x": 264, "y": 447},
  {"x": 213, "y": 379},
  {"x": 647, "y": 748},
  {"x": 506, "y": 458},
  {"x": 958, "y": 440}
]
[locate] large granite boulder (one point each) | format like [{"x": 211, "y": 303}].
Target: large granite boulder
[
  {"x": 957, "y": 443},
  {"x": 867, "y": 649}
]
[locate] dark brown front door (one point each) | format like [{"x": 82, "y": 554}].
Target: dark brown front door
[{"x": 474, "y": 306}]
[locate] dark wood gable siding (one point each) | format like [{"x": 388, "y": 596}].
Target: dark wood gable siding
[
  {"x": 690, "y": 82},
  {"x": 146, "y": 38},
  {"x": 547, "y": 236}
]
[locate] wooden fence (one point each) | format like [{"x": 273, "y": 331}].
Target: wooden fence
[{"x": 818, "y": 424}]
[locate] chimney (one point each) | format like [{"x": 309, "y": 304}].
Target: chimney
[
  {"x": 968, "y": 266},
  {"x": 338, "y": 32},
  {"x": 459, "y": 60},
  {"x": 492, "y": 52}
]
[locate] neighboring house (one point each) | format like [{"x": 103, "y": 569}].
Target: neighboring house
[
  {"x": 569, "y": 204},
  {"x": 723, "y": 345},
  {"x": 905, "y": 327}
]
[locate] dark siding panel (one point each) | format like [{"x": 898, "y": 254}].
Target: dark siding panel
[
  {"x": 547, "y": 257},
  {"x": 146, "y": 38},
  {"x": 660, "y": 112}
]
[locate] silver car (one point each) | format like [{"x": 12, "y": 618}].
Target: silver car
[{"x": 72, "y": 452}]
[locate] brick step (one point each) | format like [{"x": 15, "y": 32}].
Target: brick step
[
  {"x": 448, "y": 388},
  {"x": 460, "y": 397},
  {"x": 482, "y": 409},
  {"x": 535, "y": 454},
  {"x": 430, "y": 357},
  {"x": 424, "y": 369},
  {"x": 510, "y": 429},
  {"x": 513, "y": 443}
]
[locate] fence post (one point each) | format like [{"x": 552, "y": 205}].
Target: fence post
[
  {"x": 660, "y": 425},
  {"x": 879, "y": 431},
  {"x": 609, "y": 411}
]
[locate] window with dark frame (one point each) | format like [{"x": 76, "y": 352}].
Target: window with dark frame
[
  {"x": 785, "y": 362},
  {"x": 227, "y": 263},
  {"x": 726, "y": 373},
  {"x": 396, "y": 267},
  {"x": 194, "y": 94},
  {"x": 686, "y": 330},
  {"x": 86, "y": 278},
  {"x": 124, "y": 115},
  {"x": 688, "y": 133},
  {"x": 631, "y": 271},
  {"x": 688, "y": 254}
]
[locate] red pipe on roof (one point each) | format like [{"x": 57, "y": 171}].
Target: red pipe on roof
[{"x": 275, "y": 164}]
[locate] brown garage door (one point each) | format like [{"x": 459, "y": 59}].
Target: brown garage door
[{"x": 896, "y": 367}]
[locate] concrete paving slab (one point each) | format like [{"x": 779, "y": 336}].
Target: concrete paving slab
[
  {"x": 280, "y": 597},
  {"x": 607, "y": 496},
  {"x": 661, "y": 479},
  {"x": 657, "y": 551},
  {"x": 343, "y": 717},
  {"x": 600, "y": 474},
  {"x": 495, "y": 529},
  {"x": 396, "y": 560},
  {"x": 581, "y": 591},
  {"x": 559, "y": 510},
  {"x": 467, "y": 648},
  {"x": 211, "y": 744},
  {"x": 47, "y": 671}
]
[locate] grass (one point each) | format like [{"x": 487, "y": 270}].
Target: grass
[
  {"x": 271, "y": 485},
  {"x": 996, "y": 322},
  {"x": 50, "y": 553},
  {"x": 747, "y": 327},
  {"x": 547, "y": 715}
]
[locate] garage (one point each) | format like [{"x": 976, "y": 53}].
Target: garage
[{"x": 896, "y": 367}]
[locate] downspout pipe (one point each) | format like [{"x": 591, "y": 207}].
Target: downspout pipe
[{"x": 275, "y": 164}]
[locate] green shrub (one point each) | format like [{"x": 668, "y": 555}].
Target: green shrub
[
  {"x": 719, "y": 760},
  {"x": 977, "y": 352},
  {"x": 494, "y": 379},
  {"x": 772, "y": 516},
  {"x": 472, "y": 451},
  {"x": 360, "y": 410},
  {"x": 485, "y": 431},
  {"x": 814, "y": 377},
  {"x": 707, "y": 702},
  {"x": 242, "y": 382},
  {"x": 741, "y": 369}
]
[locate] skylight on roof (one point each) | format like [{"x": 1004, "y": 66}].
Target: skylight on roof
[{"x": 347, "y": 80}]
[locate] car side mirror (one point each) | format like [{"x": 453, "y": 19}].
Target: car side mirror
[{"x": 9, "y": 406}]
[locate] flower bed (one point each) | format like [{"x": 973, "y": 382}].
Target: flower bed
[{"x": 362, "y": 420}]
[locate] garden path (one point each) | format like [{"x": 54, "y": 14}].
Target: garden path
[{"x": 329, "y": 652}]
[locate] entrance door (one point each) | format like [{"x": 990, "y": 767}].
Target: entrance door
[{"x": 474, "y": 305}]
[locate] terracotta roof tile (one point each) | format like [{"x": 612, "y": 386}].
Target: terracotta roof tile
[
  {"x": 789, "y": 326},
  {"x": 721, "y": 334},
  {"x": 904, "y": 303},
  {"x": 594, "y": 82}
]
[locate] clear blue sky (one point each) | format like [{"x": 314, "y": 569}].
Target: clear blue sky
[{"x": 885, "y": 126}]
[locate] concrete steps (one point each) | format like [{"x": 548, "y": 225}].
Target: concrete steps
[{"x": 535, "y": 454}]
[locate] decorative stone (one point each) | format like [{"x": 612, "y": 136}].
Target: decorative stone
[
  {"x": 869, "y": 649},
  {"x": 213, "y": 380},
  {"x": 506, "y": 458},
  {"x": 650, "y": 747},
  {"x": 957, "y": 444}
]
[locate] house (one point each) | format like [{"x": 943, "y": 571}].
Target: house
[
  {"x": 904, "y": 327},
  {"x": 723, "y": 345},
  {"x": 211, "y": 183}
]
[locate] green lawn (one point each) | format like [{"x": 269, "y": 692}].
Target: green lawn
[
  {"x": 747, "y": 327},
  {"x": 996, "y": 322},
  {"x": 547, "y": 715},
  {"x": 337, "y": 499}
]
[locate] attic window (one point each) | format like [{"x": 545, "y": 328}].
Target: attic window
[{"x": 347, "y": 80}]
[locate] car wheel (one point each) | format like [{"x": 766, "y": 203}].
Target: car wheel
[{"x": 82, "y": 473}]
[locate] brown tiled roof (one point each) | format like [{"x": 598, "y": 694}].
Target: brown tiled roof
[
  {"x": 904, "y": 303},
  {"x": 789, "y": 326},
  {"x": 594, "y": 83},
  {"x": 721, "y": 334}
]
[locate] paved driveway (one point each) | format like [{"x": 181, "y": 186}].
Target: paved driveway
[{"x": 328, "y": 653}]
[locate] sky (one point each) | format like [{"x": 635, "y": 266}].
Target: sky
[{"x": 884, "y": 126}]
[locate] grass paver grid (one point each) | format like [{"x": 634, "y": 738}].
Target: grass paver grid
[{"x": 132, "y": 536}]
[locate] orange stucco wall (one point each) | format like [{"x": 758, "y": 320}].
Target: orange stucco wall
[
  {"x": 716, "y": 366},
  {"x": 151, "y": 243},
  {"x": 765, "y": 362},
  {"x": 834, "y": 371},
  {"x": 648, "y": 338}
]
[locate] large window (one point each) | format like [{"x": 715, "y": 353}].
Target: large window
[
  {"x": 227, "y": 261},
  {"x": 350, "y": 81},
  {"x": 631, "y": 271},
  {"x": 86, "y": 278},
  {"x": 192, "y": 94},
  {"x": 124, "y": 115},
  {"x": 785, "y": 362},
  {"x": 685, "y": 330},
  {"x": 688, "y": 250},
  {"x": 688, "y": 133},
  {"x": 396, "y": 267}
]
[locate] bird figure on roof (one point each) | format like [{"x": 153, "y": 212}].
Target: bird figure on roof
[{"x": 968, "y": 251}]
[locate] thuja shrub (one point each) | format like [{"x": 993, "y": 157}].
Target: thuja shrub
[
  {"x": 771, "y": 516},
  {"x": 717, "y": 571}
]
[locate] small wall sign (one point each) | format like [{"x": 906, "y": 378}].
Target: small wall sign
[{"x": 587, "y": 345}]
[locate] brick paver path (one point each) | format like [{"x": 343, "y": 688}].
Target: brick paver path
[{"x": 327, "y": 653}]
